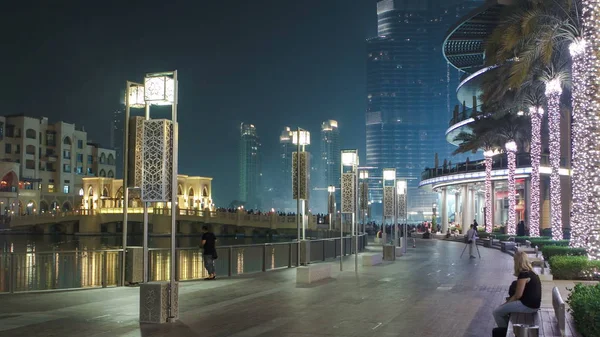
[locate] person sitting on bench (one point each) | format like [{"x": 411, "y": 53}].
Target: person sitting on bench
[{"x": 527, "y": 296}]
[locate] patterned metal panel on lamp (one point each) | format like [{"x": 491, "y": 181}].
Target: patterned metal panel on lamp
[
  {"x": 402, "y": 206},
  {"x": 304, "y": 176},
  {"x": 364, "y": 196},
  {"x": 157, "y": 154},
  {"x": 348, "y": 192},
  {"x": 139, "y": 148},
  {"x": 388, "y": 201}
]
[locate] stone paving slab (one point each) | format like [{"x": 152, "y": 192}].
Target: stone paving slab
[{"x": 428, "y": 292}]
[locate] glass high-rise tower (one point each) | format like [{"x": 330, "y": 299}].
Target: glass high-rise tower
[
  {"x": 409, "y": 87},
  {"x": 250, "y": 167},
  {"x": 330, "y": 157}
]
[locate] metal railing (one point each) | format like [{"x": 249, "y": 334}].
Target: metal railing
[
  {"x": 38, "y": 271},
  {"x": 499, "y": 162}
]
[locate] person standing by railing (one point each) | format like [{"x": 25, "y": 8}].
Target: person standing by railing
[{"x": 209, "y": 253}]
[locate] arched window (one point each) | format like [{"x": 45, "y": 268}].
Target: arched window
[
  {"x": 179, "y": 190},
  {"x": 111, "y": 159},
  {"x": 102, "y": 173},
  {"x": 105, "y": 192},
  {"x": 67, "y": 141},
  {"x": 66, "y": 206},
  {"x": 9, "y": 182},
  {"x": 110, "y": 174},
  {"x": 90, "y": 191},
  {"x": 205, "y": 192},
  {"x": 30, "y": 149},
  {"x": 30, "y": 133}
]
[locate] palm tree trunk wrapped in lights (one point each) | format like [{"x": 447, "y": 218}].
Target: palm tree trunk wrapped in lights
[
  {"x": 536, "y": 153},
  {"x": 511, "y": 154},
  {"x": 553, "y": 92},
  {"x": 591, "y": 24},
  {"x": 488, "y": 154},
  {"x": 579, "y": 157}
]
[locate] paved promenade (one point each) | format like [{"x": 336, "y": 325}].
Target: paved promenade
[{"x": 429, "y": 292}]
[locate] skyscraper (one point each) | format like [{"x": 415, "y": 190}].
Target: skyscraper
[
  {"x": 250, "y": 166},
  {"x": 408, "y": 83},
  {"x": 330, "y": 158}
]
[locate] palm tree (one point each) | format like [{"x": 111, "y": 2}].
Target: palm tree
[
  {"x": 555, "y": 77},
  {"x": 513, "y": 130},
  {"x": 481, "y": 137}
]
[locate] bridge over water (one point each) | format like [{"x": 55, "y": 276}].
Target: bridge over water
[{"x": 189, "y": 221}]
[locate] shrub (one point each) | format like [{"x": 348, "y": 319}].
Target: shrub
[
  {"x": 574, "y": 268},
  {"x": 547, "y": 232},
  {"x": 550, "y": 251},
  {"x": 584, "y": 302},
  {"x": 541, "y": 242},
  {"x": 502, "y": 237},
  {"x": 483, "y": 234}
]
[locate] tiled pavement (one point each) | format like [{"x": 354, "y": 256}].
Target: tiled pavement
[{"x": 428, "y": 292}]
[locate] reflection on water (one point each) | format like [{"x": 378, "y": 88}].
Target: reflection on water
[
  {"x": 43, "y": 243},
  {"x": 28, "y": 262}
]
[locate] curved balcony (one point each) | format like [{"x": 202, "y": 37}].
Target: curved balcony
[
  {"x": 475, "y": 170},
  {"x": 459, "y": 123},
  {"x": 463, "y": 46}
]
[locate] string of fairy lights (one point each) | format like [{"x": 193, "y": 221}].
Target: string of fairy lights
[
  {"x": 579, "y": 179},
  {"x": 511, "y": 154},
  {"x": 488, "y": 154},
  {"x": 553, "y": 92},
  {"x": 591, "y": 27},
  {"x": 536, "y": 153}
]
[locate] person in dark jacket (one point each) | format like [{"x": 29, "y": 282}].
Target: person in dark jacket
[{"x": 521, "y": 228}]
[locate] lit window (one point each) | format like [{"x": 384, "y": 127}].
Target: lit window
[
  {"x": 66, "y": 189},
  {"x": 50, "y": 188}
]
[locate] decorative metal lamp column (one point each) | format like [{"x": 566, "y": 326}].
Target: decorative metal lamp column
[
  {"x": 300, "y": 186},
  {"x": 401, "y": 191},
  {"x": 134, "y": 98},
  {"x": 364, "y": 197},
  {"x": 434, "y": 216},
  {"x": 389, "y": 210},
  {"x": 159, "y": 163},
  {"x": 331, "y": 205},
  {"x": 349, "y": 169}
]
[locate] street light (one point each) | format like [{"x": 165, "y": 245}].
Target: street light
[
  {"x": 401, "y": 191},
  {"x": 364, "y": 196},
  {"x": 134, "y": 98},
  {"x": 331, "y": 205},
  {"x": 300, "y": 183},
  {"x": 349, "y": 169},
  {"x": 389, "y": 200},
  {"x": 159, "y": 159}
]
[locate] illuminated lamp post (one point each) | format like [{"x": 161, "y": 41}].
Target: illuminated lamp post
[
  {"x": 511, "y": 153},
  {"x": 364, "y": 197},
  {"x": 159, "y": 164},
  {"x": 401, "y": 191},
  {"x": 389, "y": 199},
  {"x": 331, "y": 205},
  {"x": 433, "y": 216},
  {"x": 349, "y": 169},
  {"x": 300, "y": 177},
  {"x": 553, "y": 92},
  {"x": 134, "y": 98}
]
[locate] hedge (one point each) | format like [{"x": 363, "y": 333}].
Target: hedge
[
  {"x": 574, "y": 268},
  {"x": 550, "y": 251},
  {"x": 541, "y": 242},
  {"x": 584, "y": 302}
]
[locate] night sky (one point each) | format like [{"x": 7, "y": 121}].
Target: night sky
[{"x": 270, "y": 63}]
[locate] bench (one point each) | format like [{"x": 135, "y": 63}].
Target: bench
[
  {"x": 313, "y": 272},
  {"x": 507, "y": 246},
  {"x": 487, "y": 243},
  {"x": 552, "y": 322},
  {"x": 371, "y": 259},
  {"x": 559, "y": 310},
  {"x": 520, "y": 318}
]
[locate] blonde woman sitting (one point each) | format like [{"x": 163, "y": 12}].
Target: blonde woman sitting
[{"x": 528, "y": 293}]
